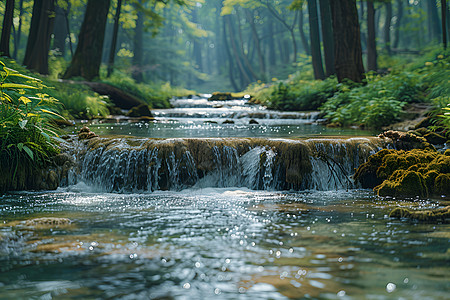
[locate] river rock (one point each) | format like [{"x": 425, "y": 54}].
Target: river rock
[
  {"x": 141, "y": 110},
  {"x": 86, "y": 134}
]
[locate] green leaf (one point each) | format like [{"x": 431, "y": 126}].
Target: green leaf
[
  {"x": 23, "y": 123},
  {"x": 20, "y": 146},
  {"x": 29, "y": 152},
  {"x": 16, "y": 86}
]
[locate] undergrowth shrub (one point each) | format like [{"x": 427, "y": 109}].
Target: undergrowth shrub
[{"x": 27, "y": 137}]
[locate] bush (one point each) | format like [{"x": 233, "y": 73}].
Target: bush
[{"x": 27, "y": 136}]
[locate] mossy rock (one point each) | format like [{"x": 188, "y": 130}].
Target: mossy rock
[
  {"x": 403, "y": 183},
  {"x": 219, "y": 96},
  {"x": 142, "y": 110},
  {"x": 431, "y": 215},
  {"x": 434, "y": 138},
  {"x": 406, "y": 173},
  {"x": 442, "y": 184}
]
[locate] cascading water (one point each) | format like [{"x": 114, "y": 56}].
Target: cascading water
[{"x": 130, "y": 165}]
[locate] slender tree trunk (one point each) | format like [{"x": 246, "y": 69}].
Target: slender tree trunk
[
  {"x": 66, "y": 15},
  {"x": 19, "y": 31},
  {"x": 315, "y": 40},
  {"x": 41, "y": 28},
  {"x": 289, "y": 28},
  {"x": 244, "y": 55},
  {"x": 6, "y": 29},
  {"x": 236, "y": 52},
  {"x": 371, "y": 42},
  {"x": 112, "y": 50},
  {"x": 230, "y": 58},
  {"x": 327, "y": 36},
  {"x": 398, "y": 24},
  {"x": 303, "y": 37},
  {"x": 387, "y": 28},
  {"x": 261, "y": 62},
  {"x": 433, "y": 18},
  {"x": 271, "y": 45},
  {"x": 444, "y": 26},
  {"x": 347, "y": 41},
  {"x": 138, "y": 48},
  {"x": 197, "y": 49},
  {"x": 88, "y": 55}
]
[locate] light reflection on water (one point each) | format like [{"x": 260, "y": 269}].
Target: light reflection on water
[{"x": 222, "y": 243}]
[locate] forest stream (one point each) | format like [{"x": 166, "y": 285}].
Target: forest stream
[{"x": 218, "y": 200}]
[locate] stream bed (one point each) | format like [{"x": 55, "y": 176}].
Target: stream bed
[{"x": 214, "y": 241}]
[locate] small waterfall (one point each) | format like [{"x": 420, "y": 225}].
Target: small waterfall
[{"x": 134, "y": 165}]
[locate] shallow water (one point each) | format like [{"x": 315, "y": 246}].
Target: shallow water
[
  {"x": 219, "y": 243},
  {"x": 200, "y": 118}
]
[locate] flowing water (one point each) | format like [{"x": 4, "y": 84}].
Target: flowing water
[{"x": 218, "y": 218}]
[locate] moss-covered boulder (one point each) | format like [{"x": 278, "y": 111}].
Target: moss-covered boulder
[
  {"x": 219, "y": 96},
  {"x": 402, "y": 173},
  {"x": 142, "y": 110},
  {"x": 406, "y": 140},
  {"x": 429, "y": 215}
]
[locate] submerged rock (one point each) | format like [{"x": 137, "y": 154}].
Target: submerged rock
[
  {"x": 86, "y": 134},
  {"x": 47, "y": 222},
  {"x": 142, "y": 110}
]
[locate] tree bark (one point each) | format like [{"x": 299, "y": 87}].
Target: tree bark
[
  {"x": 327, "y": 36},
  {"x": 347, "y": 41},
  {"x": 272, "y": 58},
  {"x": 387, "y": 28},
  {"x": 6, "y": 29},
  {"x": 88, "y": 55},
  {"x": 41, "y": 28},
  {"x": 112, "y": 52},
  {"x": 230, "y": 59},
  {"x": 315, "y": 40},
  {"x": 256, "y": 38},
  {"x": 371, "y": 38}
]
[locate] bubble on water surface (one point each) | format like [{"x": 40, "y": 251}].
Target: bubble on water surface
[{"x": 390, "y": 287}]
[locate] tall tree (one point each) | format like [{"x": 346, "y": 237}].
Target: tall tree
[
  {"x": 41, "y": 28},
  {"x": 433, "y": 20},
  {"x": 88, "y": 55},
  {"x": 444, "y": 25},
  {"x": 371, "y": 38},
  {"x": 387, "y": 27},
  {"x": 347, "y": 41},
  {"x": 398, "y": 24},
  {"x": 327, "y": 36},
  {"x": 112, "y": 52},
  {"x": 138, "y": 44},
  {"x": 315, "y": 40},
  {"x": 6, "y": 29},
  {"x": 60, "y": 31},
  {"x": 19, "y": 30},
  {"x": 303, "y": 38}
]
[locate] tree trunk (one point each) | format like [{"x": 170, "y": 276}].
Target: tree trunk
[
  {"x": 303, "y": 37},
  {"x": 138, "y": 42},
  {"x": 387, "y": 28},
  {"x": 60, "y": 31},
  {"x": 289, "y": 28},
  {"x": 433, "y": 19},
  {"x": 271, "y": 45},
  {"x": 327, "y": 36},
  {"x": 230, "y": 59},
  {"x": 88, "y": 55},
  {"x": 112, "y": 52},
  {"x": 347, "y": 41},
  {"x": 197, "y": 48},
  {"x": 371, "y": 42},
  {"x": 41, "y": 28},
  {"x": 19, "y": 31},
  {"x": 261, "y": 62},
  {"x": 6, "y": 29},
  {"x": 444, "y": 25},
  {"x": 315, "y": 40},
  {"x": 398, "y": 24}
]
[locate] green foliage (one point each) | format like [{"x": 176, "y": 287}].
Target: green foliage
[
  {"x": 27, "y": 136},
  {"x": 156, "y": 95},
  {"x": 296, "y": 95}
]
